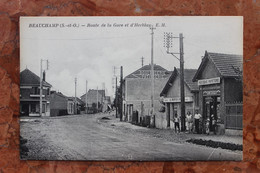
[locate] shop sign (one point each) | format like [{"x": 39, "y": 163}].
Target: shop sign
[
  {"x": 211, "y": 93},
  {"x": 209, "y": 81},
  {"x": 177, "y": 99}
]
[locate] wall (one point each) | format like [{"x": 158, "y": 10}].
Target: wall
[
  {"x": 58, "y": 105},
  {"x": 139, "y": 90},
  {"x": 233, "y": 90},
  {"x": 209, "y": 71}
]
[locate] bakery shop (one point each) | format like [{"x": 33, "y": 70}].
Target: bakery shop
[{"x": 220, "y": 82}]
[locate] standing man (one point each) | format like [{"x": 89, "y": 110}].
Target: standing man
[{"x": 197, "y": 117}]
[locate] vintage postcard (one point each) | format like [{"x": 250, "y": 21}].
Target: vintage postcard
[{"x": 131, "y": 88}]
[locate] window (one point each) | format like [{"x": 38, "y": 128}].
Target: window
[
  {"x": 35, "y": 90},
  {"x": 33, "y": 108}
]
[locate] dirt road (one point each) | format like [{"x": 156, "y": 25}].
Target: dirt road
[{"x": 91, "y": 137}]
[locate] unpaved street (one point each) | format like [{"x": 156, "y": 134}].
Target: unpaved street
[{"x": 93, "y": 137}]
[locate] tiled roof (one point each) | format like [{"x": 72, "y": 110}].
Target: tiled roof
[
  {"x": 228, "y": 65},
  {"x": 92, "y": 96},
  {"x": 27, "y": 77},
  {"x": 78, "y": 100},
  {"x": 137, "y": 73},
  {"x": 188, "y": 76},
  {"x": 59, "y": 94},
  {"x": 94, "y": 92}
]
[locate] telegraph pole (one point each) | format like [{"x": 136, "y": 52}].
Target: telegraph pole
[
  {"x": 183, "y": 128},
  {"x": 121, "y": 93},
  {"x": 142, "y": 59},
  {"x": 86, "y": 109},
  {"x": 97, "y": 98},
  {"x": 116, "y": 101},
  {"x": 41, "y": 84},
  {"x": 168, "y": 43},
  {"x": 75, "y": 98},
  {"x": 152, "y": 78},
  {"x": 41, "y": 89}
]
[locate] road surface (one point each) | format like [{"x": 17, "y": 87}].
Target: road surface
[{"x": 92, "y": 137}]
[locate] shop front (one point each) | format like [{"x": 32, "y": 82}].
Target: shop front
[
  {"x": 220, "y": 92},
  {"x": 173, "y": 106},
  {"x": 211, "y": 104}
]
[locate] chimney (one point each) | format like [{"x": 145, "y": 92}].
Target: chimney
[{"x": 43, "y": 76}]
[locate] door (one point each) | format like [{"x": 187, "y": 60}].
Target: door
[{"x": 25, "y": 109}]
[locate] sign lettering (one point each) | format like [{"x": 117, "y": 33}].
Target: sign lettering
[{"x": 209, "y": 81}]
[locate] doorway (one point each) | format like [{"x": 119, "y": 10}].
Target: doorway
[
  {"x": 25, "y": 109},
  {"x": 211, "y": 110}
]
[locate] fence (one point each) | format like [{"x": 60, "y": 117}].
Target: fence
[{"x": 234, "y": 115}]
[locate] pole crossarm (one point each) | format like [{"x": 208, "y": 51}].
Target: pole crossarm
[
  {"x": 168, "y": 44},
  {"x": 173, "y": 54}
]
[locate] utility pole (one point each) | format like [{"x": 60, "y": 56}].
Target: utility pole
[
  {"x": 86, "y": 100},
  {"x": 116, "y": 101},
  {"x": 41, "y": 89},
  {"x": 142, "y": 59},
  {"x": 97, "y": 98},
  {"x": 168, "y": 43},
  {"x": 121, "y": 93},
  {"x": 152, "y": 78},
  {"x": 75, "y": 98},
  {"x": 183, "y": 128},
  {"x": 41, "y": 84}
]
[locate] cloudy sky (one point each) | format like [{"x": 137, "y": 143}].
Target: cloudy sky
[{"x": 89, "y": 52}]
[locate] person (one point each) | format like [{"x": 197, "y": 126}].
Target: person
[
  {"x": 207, "y": 126},
  {"x": 176, "y": 123},
  {"x": 189, "y": 121},
  {"x": 197, "y": 117},
  {"x": 214, "y": 124}
]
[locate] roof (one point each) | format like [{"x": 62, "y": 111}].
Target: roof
[
  {"x": 94, "y": 91},
  {"x": 59, "y": 94},
  {"x": 137, "y": 73},
  {"x": 78, "y": 100},
  {"x": 27, "y": 77},
  {"x": 188, "y": 76},
  {"x": 228, "y": 65}
]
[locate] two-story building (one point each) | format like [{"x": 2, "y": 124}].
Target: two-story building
[
  {"x": 95, "y": 100},
  {"x": 137, "y": 91},
  {"x": 30, "y": 94}
]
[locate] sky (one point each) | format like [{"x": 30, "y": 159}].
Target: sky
[{"x": 88, "y": 48}]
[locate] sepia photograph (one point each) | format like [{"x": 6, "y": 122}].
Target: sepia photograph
[{"x": 129, "y": 88}]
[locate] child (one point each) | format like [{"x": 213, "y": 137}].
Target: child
[{"x": 176, "y": 123}]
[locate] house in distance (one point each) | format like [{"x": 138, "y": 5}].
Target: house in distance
[{"x": 30, "y": 94}]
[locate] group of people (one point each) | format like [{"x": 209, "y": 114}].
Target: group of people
[{"x": 189, "y": 119}]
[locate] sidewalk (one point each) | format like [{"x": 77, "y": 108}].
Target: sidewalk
[{"x": 211, "y": 140}]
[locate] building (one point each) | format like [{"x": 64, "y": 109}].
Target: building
[
  {"x": 107, "y": 104},
  {"x": 171, "y": 98},
  {"x": 93, "y": 97},
  {"x": 30, "y": 94},
  {"x": 137, "y": 91},
  {"x": 80, "y": 105},
  {"x": 219, "y": 77},
  {"x": 61, "y": 104}
]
